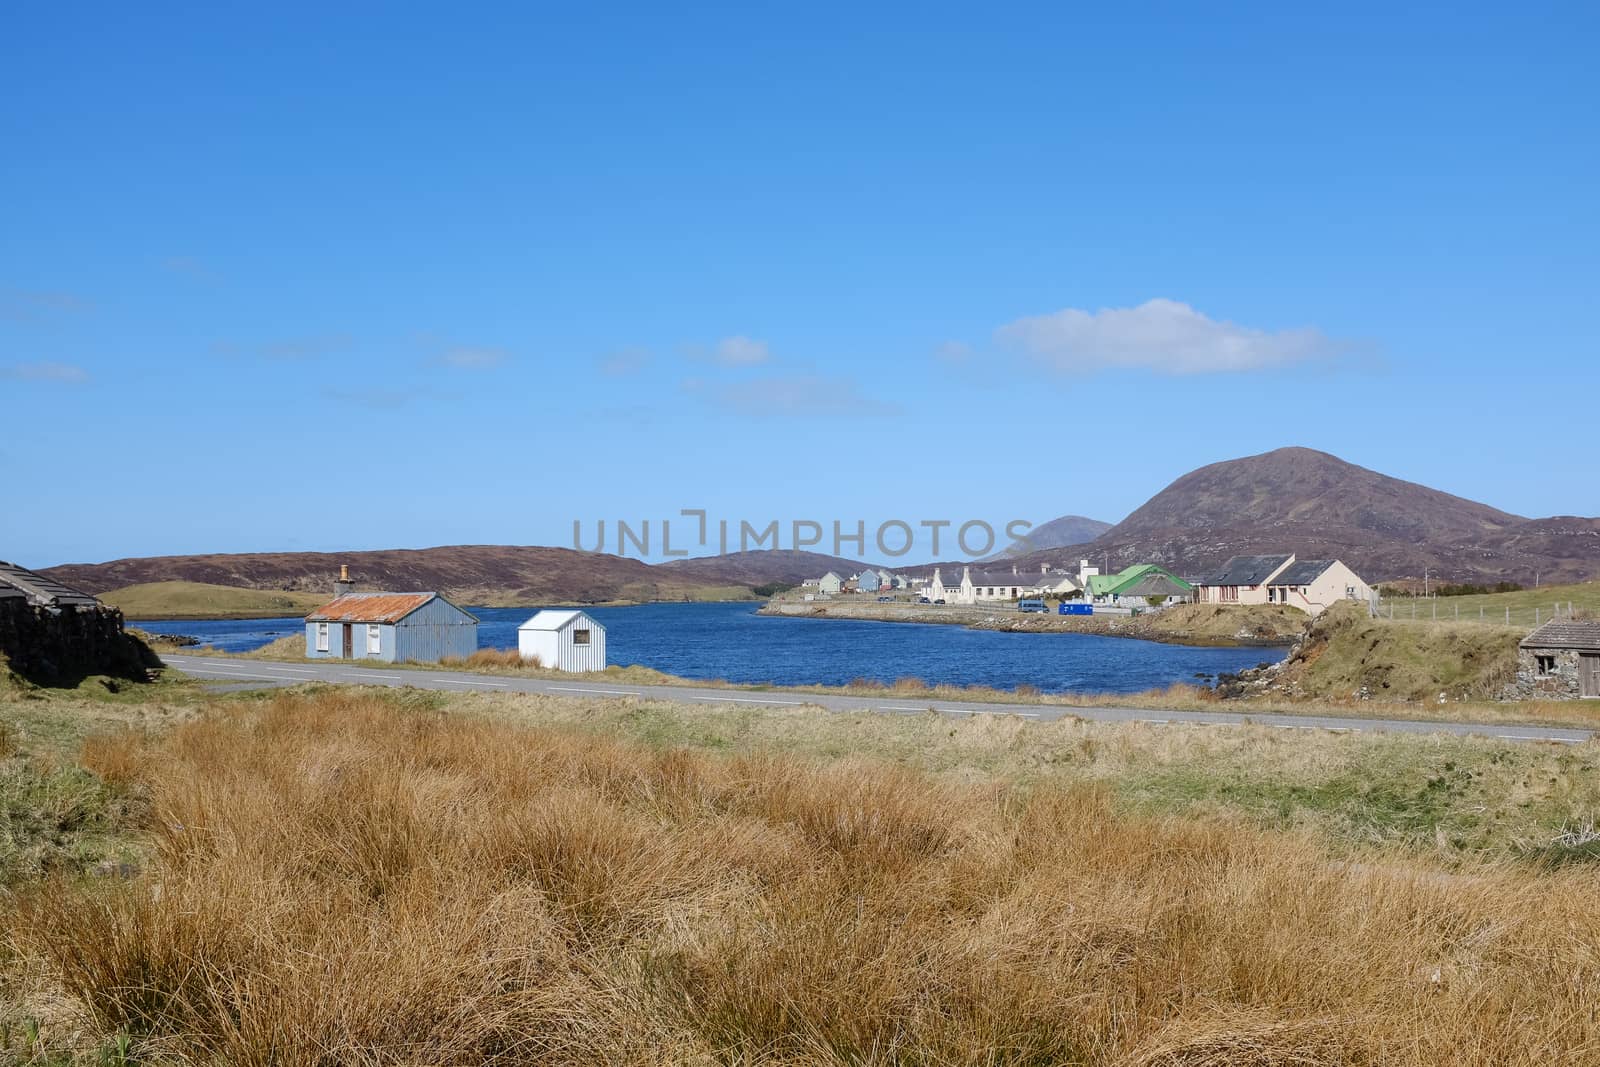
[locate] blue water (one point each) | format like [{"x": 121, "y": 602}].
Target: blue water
[{"x": 731, "y": 641}]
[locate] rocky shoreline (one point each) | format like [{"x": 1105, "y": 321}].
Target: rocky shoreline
[{"x": 1169, "y": 627}]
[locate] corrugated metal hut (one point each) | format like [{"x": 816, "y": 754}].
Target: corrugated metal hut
[
  {"x": 390, "y": 628},
  {"x": 564, "y": 640}
]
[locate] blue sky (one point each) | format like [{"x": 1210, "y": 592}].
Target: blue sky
[{"x": 308, "y": 279}]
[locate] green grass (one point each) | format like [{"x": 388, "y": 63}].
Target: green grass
[
  {"x": 1349, "y": 651},
  {"x": 1523, "y": 609},
  {"x": 199, "y": 600}
]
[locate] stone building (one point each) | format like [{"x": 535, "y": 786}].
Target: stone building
[
  {"x": 51, "y": 634},
  {"x": 1559, "y": 661}
]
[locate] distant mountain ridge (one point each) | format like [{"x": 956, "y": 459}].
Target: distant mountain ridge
[
  {"x": 1288, "y": 500},
  {"x": 1065, "y": 530},
  {"x": 1319, "y": 506},
  {"x": 473, "y": 574}
]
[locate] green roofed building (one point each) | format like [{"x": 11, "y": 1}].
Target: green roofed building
[{"x": 1137, "y": 584}]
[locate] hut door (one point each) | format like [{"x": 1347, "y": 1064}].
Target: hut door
[
  {"x": 348, "y": 645},
  {"x": 1589, "y": 674}
]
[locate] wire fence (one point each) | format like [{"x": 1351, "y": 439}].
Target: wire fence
[{"x": 1525, "y": 614}]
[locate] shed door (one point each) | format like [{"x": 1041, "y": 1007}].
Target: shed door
[
  {"x": 347, "y": 641},
  {"x": 1589, "y": 673}
]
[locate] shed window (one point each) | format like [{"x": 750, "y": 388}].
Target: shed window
[
  {"x": 1545, "y": 664},
  {"x": 322, "y": 637},
  {"x": 374, "y": 640},
  {"x": 580, "y": 637}
]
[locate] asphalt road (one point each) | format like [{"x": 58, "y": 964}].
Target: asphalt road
[{"x": 252, "y": 674}]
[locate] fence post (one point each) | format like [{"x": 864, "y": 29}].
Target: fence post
[{"x": 1508, "y": 614}]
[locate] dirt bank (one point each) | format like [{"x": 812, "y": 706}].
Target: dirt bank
[{"x": 1186, "y": 624}]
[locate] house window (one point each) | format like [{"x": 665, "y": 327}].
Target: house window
[
  {"x": 322, "y": 637},
  {"x": 1545, "y": 664},
  {"x": 580, "y": 637},
  {"x": 374, "y": 640}
]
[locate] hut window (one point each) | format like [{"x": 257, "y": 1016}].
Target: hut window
[
  {"x": 322, "y": 637},
  {"x": 1545, "y": 664},
  {"x": 374, "y": 640},
  {"x": 580, "y": 637}
]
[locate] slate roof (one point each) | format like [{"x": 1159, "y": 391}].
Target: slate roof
[
  {"x": 1247, "y": 570},
  {"x": 1565, "y": 633},
  {"x": 42, "y": 591},
  {"x": 1154, "y": 582},
  {"x": 1303, "y": 572},
  {"x": 996, "y": 579},
  {"x": 370, "y": 607}
]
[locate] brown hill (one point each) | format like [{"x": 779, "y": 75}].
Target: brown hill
[
  {"x": 472, "y": 574},
  {"x": 1318, "y": 506},
  {"x": 760, "y": 567}
]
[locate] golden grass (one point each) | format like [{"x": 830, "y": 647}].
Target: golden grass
[{"x": 341, "y": 878}]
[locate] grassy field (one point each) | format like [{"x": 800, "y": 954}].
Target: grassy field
[
  {"x": 384, "y": 877},
  {"x": 1520, "y": 609},
  {"x": 1348, "y": 653},
  {"x": 198, "y": 600}
]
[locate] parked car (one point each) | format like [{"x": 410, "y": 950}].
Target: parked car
[
  {"x": 1031, "y": 605},
  {"x": 923, "y": 600},
  {"x": 886, "y": 600},
  {"x": 939, "y": 601}
]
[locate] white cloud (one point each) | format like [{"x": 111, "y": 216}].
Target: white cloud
[
  {"x": 798, "y": 395},
  {"x": 465, "y": 357},
  {"x": 289, "y": 349},
  {"x": 59, "y": 373},
  {"x": 189, "y": 267},
  {"x": 24, "y": 306},
  {"x": 1160, "y": 335},
  {"x": 741, "y": 351},
  {"x": 382, "y": 399},
  {"x": 624, "y": 362}
]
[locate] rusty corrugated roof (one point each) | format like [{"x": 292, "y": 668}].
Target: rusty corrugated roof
[{"x": 370, "y": 607}]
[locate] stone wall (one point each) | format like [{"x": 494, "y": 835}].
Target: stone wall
[
  {"x": 1560, "y": 684},
  {"x": 64, "y": 647}
]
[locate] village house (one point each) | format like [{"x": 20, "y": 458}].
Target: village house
[
  {"x": 1314, "y": 585},
  {"x": 868, "y": 581},
  {"x": 390, "y": 628},
  {"x": 1141, "y": 584},
  {"x": 989, "y": 586},
  {"x": 563, "y": 640},
  {"x": 830, "y": 584},
  {"x": 1241, "y": 580},
  {"x": 1559, "y": 661}
]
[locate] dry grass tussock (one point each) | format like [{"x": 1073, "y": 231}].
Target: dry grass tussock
[{"x": 353, "y": 878}]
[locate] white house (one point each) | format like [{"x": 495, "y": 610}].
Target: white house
[
  {"x": 564, "y": 640},
  {"x": 830, "y": 584},
  {"x": 1314, "y": 585},
  {"x": 984, "y": 586}
]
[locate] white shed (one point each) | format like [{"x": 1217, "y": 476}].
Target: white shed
[{"x": 563, "y": 640}]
